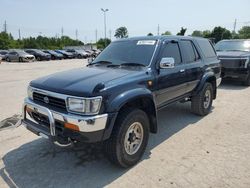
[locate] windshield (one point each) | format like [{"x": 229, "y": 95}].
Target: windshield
[
  {"x": 233, "y": 46},
  {"x": 128, "y": 51}
]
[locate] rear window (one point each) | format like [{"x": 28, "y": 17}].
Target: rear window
[{"x": 206, "y": 48}]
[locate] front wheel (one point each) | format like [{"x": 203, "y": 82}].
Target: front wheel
[
  {"x": 202, "y": 102},
  {"x": 247, "y": 81},
  {"x": 129, "y": 138},
  {"x": 20, "y": 59},
  {"x": 7, "y": 59}
]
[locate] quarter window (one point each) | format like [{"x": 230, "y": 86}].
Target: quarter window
[
  {"x": 189, "y": 52},
  {"x": 207, "y": 48}
]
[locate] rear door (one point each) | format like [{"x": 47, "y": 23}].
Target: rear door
[
  {"x": 194, "y": 64},
  {"x": 171, "y": 81}
]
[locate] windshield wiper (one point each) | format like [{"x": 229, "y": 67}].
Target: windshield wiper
[
  {"x": 237, "y": 50},
  {"x": 132, "y": 64},
  {"x": 101, "y": 62}
]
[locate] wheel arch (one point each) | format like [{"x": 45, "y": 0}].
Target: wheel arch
[
  {"x": 208, "y": 77},
  {"x": 140, "y": 98}
]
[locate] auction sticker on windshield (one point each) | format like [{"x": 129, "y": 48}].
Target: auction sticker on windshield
[{"x": 146, "y": 42}]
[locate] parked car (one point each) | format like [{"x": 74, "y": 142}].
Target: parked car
[
  {"x": 66, "y": 55},
  {"x": 54, "y": 55},
  {"x": 78, "y": 53},
  {"x": 91, "y": 53},
  {"x": 115, "y": 99},
  {"x": 39, "y": 55},
  {"x": 3, "y": 53},
  {"x": 96, "y": 52},
  {"x": 18, "y": 55},
  {"x": 234, "y": 56}
]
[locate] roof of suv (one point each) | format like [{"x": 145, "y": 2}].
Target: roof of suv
[{"x": 160, "y": 37}]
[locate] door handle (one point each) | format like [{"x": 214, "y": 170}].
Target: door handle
[{"x": 182, "y": 70}]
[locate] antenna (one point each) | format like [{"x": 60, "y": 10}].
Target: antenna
[{"x": 158, "y": 30}]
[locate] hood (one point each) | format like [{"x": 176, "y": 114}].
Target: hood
[
  {"x": 82, "y": 81},
  {"x": 232, "y": 54}
]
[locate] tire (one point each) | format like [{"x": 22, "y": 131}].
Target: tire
[
  {"x": 7, "y": 59},
  {"x": 247, "y": 82},
  {"x": 79, "y": 56},
  {"x": 115, "y": 145},
  {"x": 201, "y": 103},
  {"x": 38, "y": 59},
  {"x": 20, "y": 59}
]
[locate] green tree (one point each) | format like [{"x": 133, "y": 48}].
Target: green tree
[
  {"x": 150, "y": 34},
  {"x": 102, "y": 42},
  {"x": 220, "y": 33},
  {"x": 197, "y": 33},
  {"x": 206, "y": 34},
  {"x": 5, "y": 40},
  {"x": 244, "y": 32},
  {"x": 121, "y": 32},
  {"x": 167, "y": 33},
  {"x": 182, "y": 31}
]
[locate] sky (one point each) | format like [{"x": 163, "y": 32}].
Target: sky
[{"x": 47, "y": 17}]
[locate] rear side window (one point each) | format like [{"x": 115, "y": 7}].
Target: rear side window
[
  {"x": 172, "y": 50},
  {"x": 189, "y": 52},
  {"x": 206, "y": 48}
]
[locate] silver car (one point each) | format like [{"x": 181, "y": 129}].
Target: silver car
[{"x": 19, "y": 55}]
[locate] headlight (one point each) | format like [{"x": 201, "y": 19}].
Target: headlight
[
  {"x": 86, "y": 106},
  {"x": 30, "y": 92}
]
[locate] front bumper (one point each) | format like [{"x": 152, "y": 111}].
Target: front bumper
[
  {"x": 51, "y": 124},
  {"x": 235, "y": 73}
]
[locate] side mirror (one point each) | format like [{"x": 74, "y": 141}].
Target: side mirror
[
  {"x": 167, "y": 62},
  {"x": 90, "y": 60}
]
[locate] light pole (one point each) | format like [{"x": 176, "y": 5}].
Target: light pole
[{"x": 104, "y": 13}]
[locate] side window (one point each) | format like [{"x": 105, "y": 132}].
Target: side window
[
  {"x": 172, "y": 50},
  {"x": 189, "y": 52},
  {"x": 206, "y": 48}
]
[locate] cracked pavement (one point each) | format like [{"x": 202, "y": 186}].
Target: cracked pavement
[{"x": 187, "y": 151}]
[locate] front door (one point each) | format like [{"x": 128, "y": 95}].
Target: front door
[{"x": 171, "y": 82}]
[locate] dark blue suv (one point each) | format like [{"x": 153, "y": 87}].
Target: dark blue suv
[{"x": 115, "y": 98}]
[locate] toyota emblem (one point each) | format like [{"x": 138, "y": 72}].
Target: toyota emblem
[{"x": 46, "y": 100}]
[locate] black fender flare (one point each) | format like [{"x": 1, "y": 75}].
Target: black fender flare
[
  {"x": 124, "y": 98},
  {"x": 207, "y": 77}
]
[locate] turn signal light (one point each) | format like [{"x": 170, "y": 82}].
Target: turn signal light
[{"x": 71, "y": 126}]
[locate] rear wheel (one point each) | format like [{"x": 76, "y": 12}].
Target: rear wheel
[
  {"x": 129, "y": 138},
  {"x": 202, "y": 102},
  {"x": 38, "y": 59}
]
